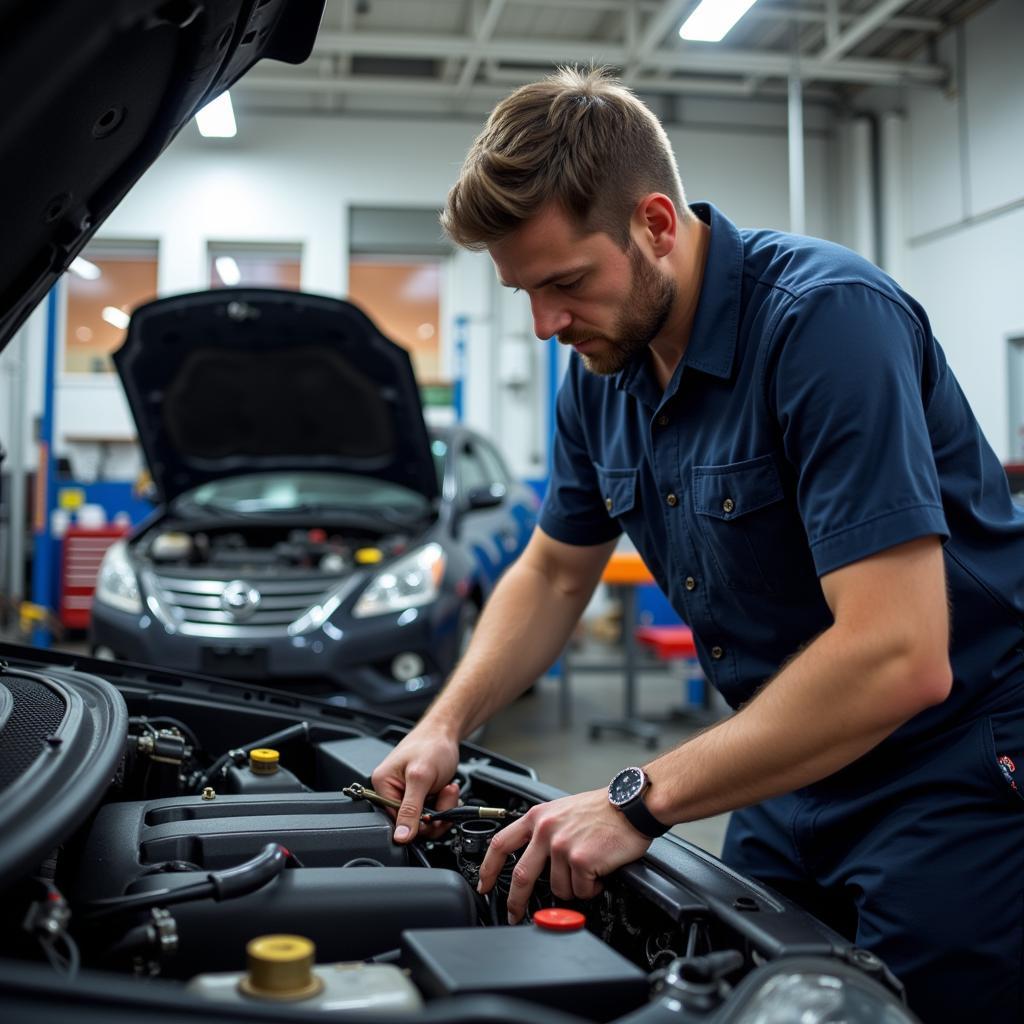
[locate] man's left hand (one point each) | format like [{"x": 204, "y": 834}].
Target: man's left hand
[{"x": 584, "y": 837}]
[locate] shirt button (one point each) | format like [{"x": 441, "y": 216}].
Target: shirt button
[
  {"x": 672, "y": 500},
  {"x": 717, "y": 653},
  {"x": 608, "y": 504},
  {"x": 728, "y": 505},
  {"x": 690, "y": 583},
  {"x": 662, "y": 420}
]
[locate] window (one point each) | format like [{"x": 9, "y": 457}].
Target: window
[
  {"x": 255, "y": 265},
  {"x": 402, "y": 297},
  {"x": 105, "y": 284}
]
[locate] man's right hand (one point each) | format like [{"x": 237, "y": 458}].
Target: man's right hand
[{"x": 422, "y": 765}]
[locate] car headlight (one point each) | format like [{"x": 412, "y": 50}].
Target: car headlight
[
  {"x": 411, "y": 581},
  {"x": 118, "y": 585},
  {"x": 805, "y": 997}
]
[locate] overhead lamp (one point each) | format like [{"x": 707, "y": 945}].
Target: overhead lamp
[
  {"x": 227, "y": 270},
  {"x": 83, "y": 268},
  {"x": 712, "y": 19},
  {"x": 217, "y": 119},
  {"x": 116, "y": 317}
]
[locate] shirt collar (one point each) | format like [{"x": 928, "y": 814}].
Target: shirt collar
[{"x": 713, "y": 337}]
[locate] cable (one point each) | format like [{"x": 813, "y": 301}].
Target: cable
[
  {"x": 221, "y": 885},
  {"x": 280, "y": 737}
]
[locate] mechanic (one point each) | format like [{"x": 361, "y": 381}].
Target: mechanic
[{"x": 770, "y": 420}]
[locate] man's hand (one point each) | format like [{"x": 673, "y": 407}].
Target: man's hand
[
  {"x": 584, "y": 837},
  {"x": 421, "y": 765}
]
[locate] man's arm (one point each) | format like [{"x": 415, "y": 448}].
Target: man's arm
[
  {"x": 884, "y": 659},
  {"x": 524, "y": 627}
]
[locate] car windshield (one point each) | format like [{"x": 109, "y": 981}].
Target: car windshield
[{"x": 302, "y": 492}]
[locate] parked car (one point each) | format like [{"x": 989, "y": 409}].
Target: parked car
[
  {"x": 153, "y": 822},
  {"x": 310, "y": 530}
]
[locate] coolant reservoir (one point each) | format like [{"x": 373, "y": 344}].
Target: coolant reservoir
[
  {"x": 282, "y": 969},
  {"x": 263, "y": 774}
]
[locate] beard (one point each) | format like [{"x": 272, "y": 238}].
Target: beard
[{"x": 652, "y": 296}]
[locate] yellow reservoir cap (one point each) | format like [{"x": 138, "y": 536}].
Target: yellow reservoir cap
[
  {"x": 264, "y": 761},
  {"x": 369, "y": 556},
  {"x": 281, "y": 968}
]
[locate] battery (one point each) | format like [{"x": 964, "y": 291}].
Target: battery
[{"x": 567, "y": 970}]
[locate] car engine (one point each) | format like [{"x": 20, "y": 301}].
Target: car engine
[
  {"x": 178, "y": 838},
  {"x": 263, "y": 548}
]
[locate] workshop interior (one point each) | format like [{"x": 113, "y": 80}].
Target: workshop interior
[{"x": 271, "y": 440}]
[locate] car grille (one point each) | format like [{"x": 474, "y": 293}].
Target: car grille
[{"x": 196, "y": 605}]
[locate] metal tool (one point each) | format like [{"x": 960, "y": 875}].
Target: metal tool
[{"x": 360, "y": 792}]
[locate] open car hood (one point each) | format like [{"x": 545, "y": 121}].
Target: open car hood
[
  {"x": 249, "y": 380},
  {"x": 97, "y": 91}
]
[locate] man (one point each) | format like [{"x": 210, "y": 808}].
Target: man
[{"x": 771, "y": 421}]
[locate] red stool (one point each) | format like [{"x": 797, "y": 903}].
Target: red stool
[{"x": 675, "y": 643}]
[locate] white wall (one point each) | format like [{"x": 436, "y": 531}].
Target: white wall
[
  {"x": 963, "y": 159},
  {"x": 293, "y": 180}
]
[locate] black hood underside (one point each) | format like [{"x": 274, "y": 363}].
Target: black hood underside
[{"x": 95, "y": 93}]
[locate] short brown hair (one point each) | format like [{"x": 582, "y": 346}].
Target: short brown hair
[{"x": 579, "y": 138}]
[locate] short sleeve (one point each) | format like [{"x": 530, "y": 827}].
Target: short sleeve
[
  {"x": 846, "y": 380},
  {"x": 573, "y": 511}
]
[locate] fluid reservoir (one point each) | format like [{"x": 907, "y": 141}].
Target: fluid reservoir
[
  {"x": 263, "y": 774},
  {"x": 282, "y": 970}
]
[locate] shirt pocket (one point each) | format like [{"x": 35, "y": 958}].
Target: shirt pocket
[
  {"x": 618, "y": 489},
  {"x": 752, "y": 534}
]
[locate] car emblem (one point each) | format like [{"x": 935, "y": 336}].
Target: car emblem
[{"x": 240, "y": 600}]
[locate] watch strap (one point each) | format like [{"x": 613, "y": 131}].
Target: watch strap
[{"x": 642, "y": 820}]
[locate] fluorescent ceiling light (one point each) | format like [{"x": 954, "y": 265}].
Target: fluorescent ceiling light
[
  {"x": 227, "y": 270},
  {"x": 713, "y": 18},
  {"x": 217, "y": 119},
  {"x": 83, "y": 268},
  {"x": 115, "y": 317}
]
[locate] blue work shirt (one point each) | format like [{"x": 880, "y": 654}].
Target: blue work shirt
[{"x": 811, "y": 423}]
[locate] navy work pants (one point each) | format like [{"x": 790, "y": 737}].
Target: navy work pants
[{"x": 917, "y": 857}]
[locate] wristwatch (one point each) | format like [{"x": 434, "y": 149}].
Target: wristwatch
[{"x": 626, "y": 792}]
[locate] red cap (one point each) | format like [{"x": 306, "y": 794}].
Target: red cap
[
  {"x": 559, "y": 919},
  {"x": 316, "y": 535}
]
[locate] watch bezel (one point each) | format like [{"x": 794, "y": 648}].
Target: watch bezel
[{"x": 642, "y": 783}]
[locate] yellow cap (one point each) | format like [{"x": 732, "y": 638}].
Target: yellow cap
[
  {"x": 263, "y": 760},
  {"x": 369, "y": 556},
  {"x": 280, "y": 967}
]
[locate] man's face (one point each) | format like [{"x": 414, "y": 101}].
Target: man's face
[{"x": 607, "y": 303}]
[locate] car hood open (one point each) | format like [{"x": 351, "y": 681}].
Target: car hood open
[
  {"x": 97, "y": 91},
  {"x": 250, "y": 380}
]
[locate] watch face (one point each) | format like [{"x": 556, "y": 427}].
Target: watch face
[{"x": 626, "y": 786}]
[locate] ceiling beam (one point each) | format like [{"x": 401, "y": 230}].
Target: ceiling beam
[
  {"x": 850, "y": 37},
  {"x": 484, "y": 31},
  {"x": 694, "y": 59},
  {"x": 653, "y": 33}
]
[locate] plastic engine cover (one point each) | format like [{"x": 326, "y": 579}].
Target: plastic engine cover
[{"x": 572, "y": 971}]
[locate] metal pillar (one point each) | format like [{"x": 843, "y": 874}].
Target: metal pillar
[
  {"x": 18, "y": 384},
  {"x": 42, "y": 555},
  {"x": 459, "y": 376},
  {"x": 797, "y": 196}
]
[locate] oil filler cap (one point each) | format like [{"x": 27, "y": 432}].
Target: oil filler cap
[
  {"x": 281, "y": 968},
  {"x": 559, "y": 919},
  {"x": 264, "y": 761}
]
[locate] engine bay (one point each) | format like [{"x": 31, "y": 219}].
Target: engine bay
[
  {"x": 265, "y": 548},
  {"x": 236, "y": 816}
]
